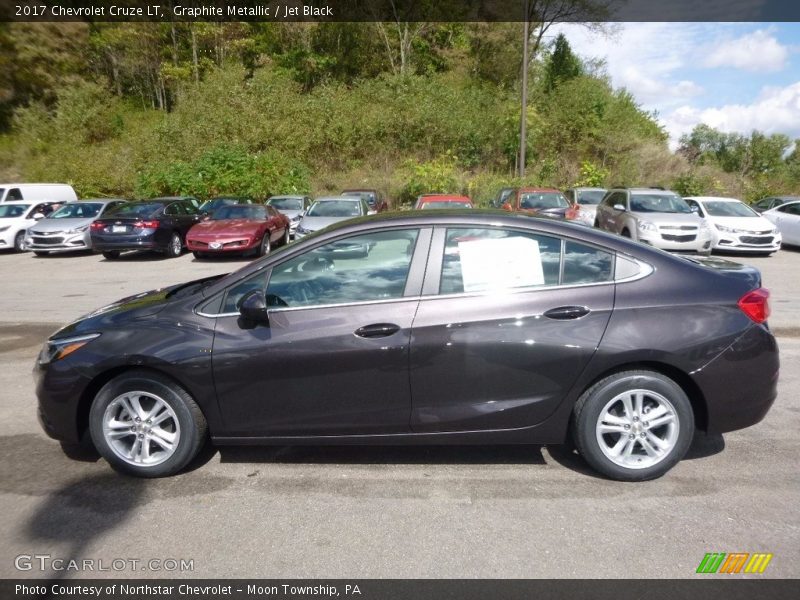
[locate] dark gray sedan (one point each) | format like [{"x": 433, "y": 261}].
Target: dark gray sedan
[{"x": 457, "y": 327}]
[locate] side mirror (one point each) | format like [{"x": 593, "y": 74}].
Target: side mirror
[
  {"x": 38, "y": 216},
  {"x": 253, "y": 306},
  {"x": 695, "y": 210},
  {"x": 507, "y": 206},
  {"x": 619, "y": 207}
]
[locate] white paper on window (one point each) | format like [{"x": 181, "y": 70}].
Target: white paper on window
[{"x": 497, "y": 263}]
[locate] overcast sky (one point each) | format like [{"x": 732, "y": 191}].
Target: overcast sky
[{"x": 731, "y": 76}]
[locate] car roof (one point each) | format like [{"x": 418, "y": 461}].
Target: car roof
[
  {"x": 171, "y": 198},
  {"x": 293, "y": 196},
  {"x": 538, "y": 189},
  {"x": 364, "y": 190},
  {"x": 583, "y": 188},
  {"x": 331, "y": 198}
]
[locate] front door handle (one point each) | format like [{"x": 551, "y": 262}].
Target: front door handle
[
  {"x": 564, "y": 313},
  {"x": 377, "y": 330}
]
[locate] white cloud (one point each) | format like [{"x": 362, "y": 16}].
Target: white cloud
[
  {"x": 776, "y": 110},
  {"x": 756, "y": 51},
  {"x": 644, "y": 58}
]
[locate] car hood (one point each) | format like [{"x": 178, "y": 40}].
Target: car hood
[
  {"x": 226, "y": 227},
  {"x": 671, "y": 218},
  {"x": 290, "y": 214},
  {"x": 750, "y": 224},
  {"x": 133, "y": 307},
  {"x": 317, "y": 223},
  {"x": 60, "y": 224}
]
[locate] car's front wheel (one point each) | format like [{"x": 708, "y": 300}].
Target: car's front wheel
[
  {"x": 634, "y": 425},
  {"x": 144, "y": 424}
]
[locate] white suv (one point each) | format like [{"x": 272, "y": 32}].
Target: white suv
[{"x": 656, "y": 217}]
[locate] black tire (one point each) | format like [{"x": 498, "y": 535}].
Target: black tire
[
  {"x": 626, "y": 233},
  {"x": 19, "y": 242},
  {"x": 175, "y": 246},
  {"x": 265, "y": 246},
  {"x": 198, "y": 255},
  {"x": 285, "y": 237},
  {"x": 596, "y": 224},
  {"x": 41, "y": 253},
  {"x": 111, "y": 255},
  {"x": 591, "y": 404},
  {"x": 193, "y": 427}
]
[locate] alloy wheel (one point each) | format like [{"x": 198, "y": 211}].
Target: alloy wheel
[
  {"x": 637, "y": 429},
  {"x": 141, "y": 428}
]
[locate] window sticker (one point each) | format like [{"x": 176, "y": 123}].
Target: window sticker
[{"x": 498, "y": 263}]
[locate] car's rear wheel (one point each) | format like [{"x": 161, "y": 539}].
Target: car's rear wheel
[
  {"x": 285, "y": 237},
  {"x": 175, "y": 245},
  {"x": 41, "y": 253},
  {"x": 625, "y": 233},
  {"x": 19, "y": 242},
  {"x": 634, "y": 425},
  {"x": 265, "y": 246},
  {"x": 146, "y": 425},
  {"x": 111, "y": 255}
]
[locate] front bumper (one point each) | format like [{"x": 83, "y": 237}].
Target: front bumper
[
  {"x": 58, "y": 242},
  {"x": 7, "y": 238},
  {"x": 747, "y": 242},
  {"x": 59, "y": 388},
  {"x": 701, "y": 241},
  {"x": 212, "y": 246}
]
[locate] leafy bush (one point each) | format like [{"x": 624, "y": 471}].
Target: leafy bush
[{"x": 226, "y": 170}]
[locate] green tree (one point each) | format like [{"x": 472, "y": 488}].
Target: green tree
[{"x": 562, "y": 65}]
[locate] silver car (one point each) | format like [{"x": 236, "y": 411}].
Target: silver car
[
  {"x": 327, "y": 211},
  {"x": 293, "y": 206},
  {"x": 656, "y": 217},
  {"x": 67, "y": 229},
  {"x": 586, "y": 199}
]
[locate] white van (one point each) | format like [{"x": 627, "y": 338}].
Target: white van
[{"x": 36, "y": 192}]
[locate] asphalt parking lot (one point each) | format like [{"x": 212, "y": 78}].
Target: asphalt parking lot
[{"x": 525, "y": 511}]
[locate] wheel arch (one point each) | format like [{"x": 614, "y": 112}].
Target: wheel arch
[
  {"x": 686, "y": 383},
  {"x": 96, "y": 384}
]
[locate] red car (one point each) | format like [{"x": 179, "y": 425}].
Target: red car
[
  {"x": 541, "y": 201},
  {"x": 429, "y": 201},
  {"x": 239, "y": 228}
]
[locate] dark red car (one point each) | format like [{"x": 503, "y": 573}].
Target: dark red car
[
  {"x": 239, "y": 228},
  {"x": 428, "y": 201},
  {"x": 541, "y": 201}
]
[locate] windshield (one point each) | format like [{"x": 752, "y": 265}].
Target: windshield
[
  {"x": 590, "y": 197},
  {"x": 239, "y": 211},
  {"x": 540, "y": 200},
  {"x": 9, "y": 211},
  {"x": 658, "y": 203},
  {"x": 729, "y": 209},
  {"x": 78, "y": 210},
  {"x": 286, "y": 203},
  {"x": 135, "y": 209},
  {"x": 445, "y": 204},
  {"x": 335, "y": 208}
]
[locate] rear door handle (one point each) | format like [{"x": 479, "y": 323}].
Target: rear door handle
[
  {"x": 565, "y": 313},
  {"x": 377, "y": 330}
]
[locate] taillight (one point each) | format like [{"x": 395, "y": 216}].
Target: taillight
[
  {"x": 95, "y": 225},
  {"x": 146, "y": 224},
  {"x": 755, "y": 304}
]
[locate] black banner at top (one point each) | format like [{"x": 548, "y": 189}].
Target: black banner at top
[{"x": 400, "y": 10}]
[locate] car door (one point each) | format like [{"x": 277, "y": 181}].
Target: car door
[
  {"x": 334, "y": 358},
  {"x": 787, "y": 218},
  {"x": 507, "y": 322}
]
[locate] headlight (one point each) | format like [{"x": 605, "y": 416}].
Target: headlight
[
  {"x": 303, "y": 230},
  {"x": 297, "y": 217},
  {"x": 646, "y": 226},
  {"x": 728, "y": 229},
  {"x": 79, "y": 229},
  {"x": 54, "y": 350}
]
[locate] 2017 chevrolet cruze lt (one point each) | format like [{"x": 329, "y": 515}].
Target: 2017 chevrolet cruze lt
[{"x": 455, "y": 327}]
